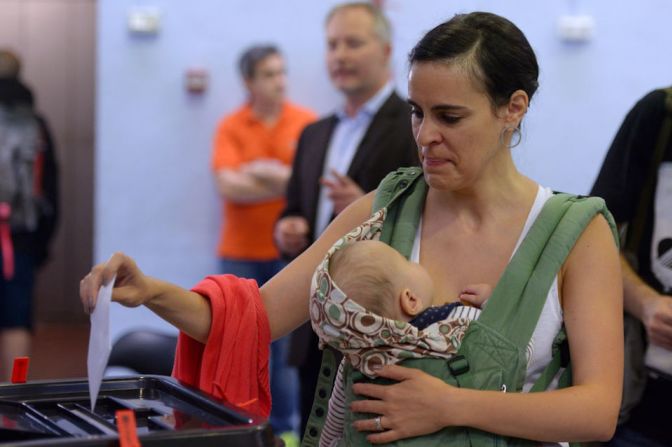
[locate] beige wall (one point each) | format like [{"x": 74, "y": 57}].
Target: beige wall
[{"x": 56, "y": 39}]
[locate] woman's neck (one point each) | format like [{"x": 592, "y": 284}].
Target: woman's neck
[{"x": 497, "y": 194}]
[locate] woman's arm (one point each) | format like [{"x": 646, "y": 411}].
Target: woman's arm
[
  {"x": 286, "y": 294},
  {"x": 588, "y": 410},
  {"x": 186, "y": 310}
]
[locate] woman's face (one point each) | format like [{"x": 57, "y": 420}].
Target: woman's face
[{"x": 454, "y": 124}]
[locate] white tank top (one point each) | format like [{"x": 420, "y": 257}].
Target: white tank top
[{"x": 550, "y": 320}]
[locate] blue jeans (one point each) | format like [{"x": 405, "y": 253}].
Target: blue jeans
[
  {"x": 16, "y": 295},
  {"x": 648, "y": 425},
  {"x": 284, "y": 380}
]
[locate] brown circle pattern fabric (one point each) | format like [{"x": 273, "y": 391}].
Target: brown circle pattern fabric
[{"x": 367, "y": 340}]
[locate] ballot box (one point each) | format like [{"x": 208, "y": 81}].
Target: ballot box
[{"x": 167, "y": 413}]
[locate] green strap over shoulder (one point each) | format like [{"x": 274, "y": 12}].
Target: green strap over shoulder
[
  {"x": 533, "y": 268},
  {"x": 407, "y": 187},
  {"x": 394, "y": 185}
]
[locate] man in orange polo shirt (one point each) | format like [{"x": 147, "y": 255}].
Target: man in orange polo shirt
[{"x": 252, "y": 158}]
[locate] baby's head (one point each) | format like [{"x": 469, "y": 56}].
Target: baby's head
[{"x": 381, "y": 280}]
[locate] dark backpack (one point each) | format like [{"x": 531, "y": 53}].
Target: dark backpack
[{"x": 21, "y": 155}]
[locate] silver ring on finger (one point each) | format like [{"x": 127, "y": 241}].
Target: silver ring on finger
[{"x": 378, "y": 420}]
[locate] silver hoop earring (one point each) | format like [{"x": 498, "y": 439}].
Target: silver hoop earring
[{"x": 516, "y": 135}]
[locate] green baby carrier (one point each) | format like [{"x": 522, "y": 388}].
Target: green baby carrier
[{"x": 492, "y": 355}]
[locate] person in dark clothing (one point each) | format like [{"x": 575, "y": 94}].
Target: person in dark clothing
[
  {"x": 25, "y": 230},
  {"x": 635, "y": 182},
  {"x": 344, "y": 155}
]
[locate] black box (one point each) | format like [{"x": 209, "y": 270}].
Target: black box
[{"x": 167, "y": 414}]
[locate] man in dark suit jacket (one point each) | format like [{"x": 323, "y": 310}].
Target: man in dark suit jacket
[{"x": 345, "y": 155}]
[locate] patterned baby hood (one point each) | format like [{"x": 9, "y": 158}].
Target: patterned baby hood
[{"x": 368, "y": 340}]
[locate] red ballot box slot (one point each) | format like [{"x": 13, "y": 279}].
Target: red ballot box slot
[
  {"x": 20, "y": 370},
  {"x": 128, "y": 430}
]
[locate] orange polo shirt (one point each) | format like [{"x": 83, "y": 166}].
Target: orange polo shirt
[{"x": 247, "y": 230}]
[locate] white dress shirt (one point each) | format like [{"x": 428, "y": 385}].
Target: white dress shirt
[{"x": 345, "y": 140}]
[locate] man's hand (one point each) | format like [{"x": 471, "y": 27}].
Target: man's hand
[
  {"x": 647, "y": 305},
  {"x": 657, "y": 318},
  {"x": 291, "y": 235},
  {"x": 342, "y": 190}
]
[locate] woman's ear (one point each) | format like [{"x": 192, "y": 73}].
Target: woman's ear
[
  {"x": 410, "y": 303},
  {"x": 516, "y": 108}
]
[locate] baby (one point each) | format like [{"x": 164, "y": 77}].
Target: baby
[
  {"x": 384, "y": 283},
  {"x": 381, "y": 280}
]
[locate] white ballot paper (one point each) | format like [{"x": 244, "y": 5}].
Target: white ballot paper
[{"x": 99, "y": 341}]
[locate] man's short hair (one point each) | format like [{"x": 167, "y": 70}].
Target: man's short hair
[
  {"x": 381, "y": 25},
  {"x": 252, "y": 56},
  {"x": 10, "y": 64}
]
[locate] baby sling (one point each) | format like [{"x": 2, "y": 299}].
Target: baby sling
[{"x": 492, "y": 355}]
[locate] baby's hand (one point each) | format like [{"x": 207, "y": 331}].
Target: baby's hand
[{"x": 475, "y": 295}]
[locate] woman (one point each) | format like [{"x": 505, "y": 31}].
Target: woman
[{"x": 470, "y": 83}]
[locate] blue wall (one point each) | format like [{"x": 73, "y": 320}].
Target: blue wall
[{"x": 155, "y": 198}]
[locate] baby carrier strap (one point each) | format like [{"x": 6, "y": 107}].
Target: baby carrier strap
[
  {"x": 323, "y": 388},
  {"x": 406, "y": 187},
  {"x": 533, "y": 268},
  {"x": 529, "y": 276}
]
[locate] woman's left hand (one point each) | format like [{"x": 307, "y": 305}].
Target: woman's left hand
[{"x": 418, "y": 405}]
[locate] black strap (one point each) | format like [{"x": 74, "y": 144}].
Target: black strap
[{"x": 318, "y": 412}]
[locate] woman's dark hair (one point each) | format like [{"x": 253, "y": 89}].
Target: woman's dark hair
[
  {"x": 493, "y": 49},
  {"x": 252, "y": 56}
]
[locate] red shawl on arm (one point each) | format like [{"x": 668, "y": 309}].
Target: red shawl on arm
[{"x": 233, "y": 364}]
